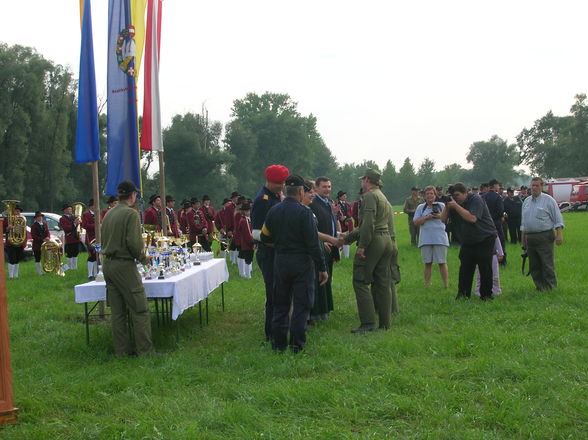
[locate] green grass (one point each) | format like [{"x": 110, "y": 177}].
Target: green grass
[{"x": 514, "y": 368}]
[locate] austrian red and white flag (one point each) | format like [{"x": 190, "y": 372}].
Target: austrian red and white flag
[{"x": 151, "y": 139}]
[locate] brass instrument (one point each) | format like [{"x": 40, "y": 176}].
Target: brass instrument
[
  {"x": 78, "y": 210},
  {"x": 17, "y": 236},
  {"x": 51, "y": 253}
]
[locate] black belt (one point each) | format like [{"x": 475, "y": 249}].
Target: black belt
[
  {"x": 119, "y": 258},
  {"x": 540, "y": 232}
]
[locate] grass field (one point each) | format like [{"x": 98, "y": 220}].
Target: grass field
[{"x": 513, "y": 368}]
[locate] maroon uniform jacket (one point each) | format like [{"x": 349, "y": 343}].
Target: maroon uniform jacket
[
  {"x": 89, "y": 224},
  {"x": 245, "y": 239},
  {"x": 152, "y": 217},
  {"x": 67, "y": 224},
  {"x": 39, "y": 232},
  {"x": 236, "y": 219},
  {"x": 345, "y": 216},
  {"x": 355, "y": 212},
  {"x": 183, "y": 220},
  {"x": 208, "y": 212},
  {"x": 173, "y": 222},
  {"x": 219, "y": 219},
  {"x": 229, "y": 217},
  {"x": 196, "y": 222},
  {"x": 104, "y": 212}
]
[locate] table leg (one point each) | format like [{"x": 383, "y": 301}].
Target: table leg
[
  {"x": 200, "y": 312},
  {"x": 223, "y": 295},
  {"x": 206, "y": 310},
  {"x": 157, "y": 310},
  {"x": 87, "y": 314}
]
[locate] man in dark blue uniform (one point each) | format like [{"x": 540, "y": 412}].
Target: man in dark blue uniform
[
  {"x": 268, "y": 196},
  {"x": 291, "y": 227},
  {"x": 496, "y": 208}
]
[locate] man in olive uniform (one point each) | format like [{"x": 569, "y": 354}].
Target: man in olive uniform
[
  {"x": 371, "y": 266},
  {"x": 410, "y": 206},
  {"x": 122, "y": 245}
]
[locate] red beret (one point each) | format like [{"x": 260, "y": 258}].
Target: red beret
[{"x": 276, "y": 173}]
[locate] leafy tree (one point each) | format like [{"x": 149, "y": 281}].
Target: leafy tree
[
  {"x": 556, "y": 146},
  {"x": 194, "y": 167},
  {"x": 405, "y": 180},
  {"x": 451, "y": 174},
  {"x": 493, "y": 159},
  {"x": 426, "y": 173},
  {"x": 268, "y": 129},
  {"x": 389, "y": 176}
]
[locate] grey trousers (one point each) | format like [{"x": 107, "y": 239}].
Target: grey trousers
[{"x": 541, "y": 262}]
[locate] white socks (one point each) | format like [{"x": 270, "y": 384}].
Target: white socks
[
  {"x": 11, "y": 270},
  {"x": 244, "y": 268},
  {"x": 346, "y": 250},
  {"x": 40, "y": 270},
  {"x": 74, "y": 263},
  {"x": 233, "y": 255}
]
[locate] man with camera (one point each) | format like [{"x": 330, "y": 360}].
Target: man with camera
[{"x": 477, "y": 234}]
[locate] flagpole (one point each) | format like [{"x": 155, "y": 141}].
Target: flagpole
[
  {"x": 97, "y": 224},
  {"x": 164, "y": 219}
]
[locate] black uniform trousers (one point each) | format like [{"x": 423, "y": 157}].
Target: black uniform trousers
[
  {"x": 514, "y": 230},
  {"x": 72, "y": 249},
  {"x": 294, "y": 278},
  {"x": 15, "y": 254},
  {"x": 265, "y": 261},
  {"x": 470, "y": 256}
]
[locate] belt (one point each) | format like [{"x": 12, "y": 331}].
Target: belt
[
  {"x": 539, "y": 232},
  {"x": 119, "y": 258},
  {"x": 382, "y": 232}
]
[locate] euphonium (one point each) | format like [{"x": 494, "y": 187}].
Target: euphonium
[
  {"x": 78, "y": 210},
  {"x": 17, "y": 236},
  {"x": 51, "y": 252}
]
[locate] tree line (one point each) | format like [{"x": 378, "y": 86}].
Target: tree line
[{"x": 37, "y": 136}]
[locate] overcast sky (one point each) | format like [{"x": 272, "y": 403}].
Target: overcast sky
[{"x": 385, "y": 79}]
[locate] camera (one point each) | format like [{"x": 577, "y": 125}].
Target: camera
[
  {"x": 436, "y": 209},
  {"x": 445, "y": 198}
]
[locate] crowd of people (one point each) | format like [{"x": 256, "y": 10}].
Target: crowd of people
[{"x": 297, "y": 233}]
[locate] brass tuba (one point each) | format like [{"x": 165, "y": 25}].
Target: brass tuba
[
  {"x": 17, "y": 236},
  {"x": 78, "y": 210},
  {"x": 51, "y": 253}
]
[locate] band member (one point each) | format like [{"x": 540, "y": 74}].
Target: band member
[
  {"x": 230, "y": 225},
  {"x": 89, "y": 224},
  {"x": 111, "y": 202},
  {"x": 236, "y": 240},
  {"x": 153, "y": 213},
  {"x": 40, "y": 234},
  {"x": 69, "y": 225},
  {"x": 345, "y": 217},
  {"x": 355, "y": 208},
  {"x": 196, "y": 223},
  {"x": 220, "y": 225},
  {"x": 246, "y": 244},
  {"x": 172, "y": 220},
  {"x": 208, "y": 212},
  {"x": 15, "y": 253},
  {"x": 183, "y": 217}
]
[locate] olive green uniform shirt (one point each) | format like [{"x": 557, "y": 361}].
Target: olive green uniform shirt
[
  {"x": 121, "y": 234},
  {"x": 373, "y": 215},
  {"x": 410, "y": 205}
]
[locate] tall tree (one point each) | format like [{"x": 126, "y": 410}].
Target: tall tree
[
  {"x": 405, "y": 180},
  {"x": 556, "y": 146},
  {"x": 426, "y": 173},
  {"x": 389, "y": 177},
  {"x": 195, "y": 167},
  {"x": 493, "y": 159}
]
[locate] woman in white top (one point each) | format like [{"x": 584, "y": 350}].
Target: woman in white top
[{"x": 433, "y": 241}]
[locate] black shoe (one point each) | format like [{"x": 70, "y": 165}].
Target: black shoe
[
  {"x": 487, "y": 298},
  {"x": 364, "y": 328},
  {"x": 462, "y": 296},
  {"x": 91, "y": 278}
]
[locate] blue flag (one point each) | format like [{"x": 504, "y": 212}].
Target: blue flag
[
  {"x": 87, "y": 140},
  {"x": 123, "y": 143}
]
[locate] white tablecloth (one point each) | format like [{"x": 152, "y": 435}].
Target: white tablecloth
[{"x": 187, "y": 288}]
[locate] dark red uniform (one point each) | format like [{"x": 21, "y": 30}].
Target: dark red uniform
[
  {"x": 345, "y": 216},
  {"x": 245, "y": 239},
  {"x": 152, "y": 217},
  {"x": 209, "y": 214},
  {"x": 196, "y": 223},
  {"x": 39, "y": 232},
  {"x": 355, "y": 212},
  {"x": 173, "y": 222},
  {"x": 72, "y": 240},
  {"x": 183, "y": 220},
  {"x": 89, "y": 224}
]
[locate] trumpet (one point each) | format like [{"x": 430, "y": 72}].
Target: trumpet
[{"x": 17, "y": 236}]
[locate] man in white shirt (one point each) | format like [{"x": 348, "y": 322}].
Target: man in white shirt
[{"x": 539, "y": 219}]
